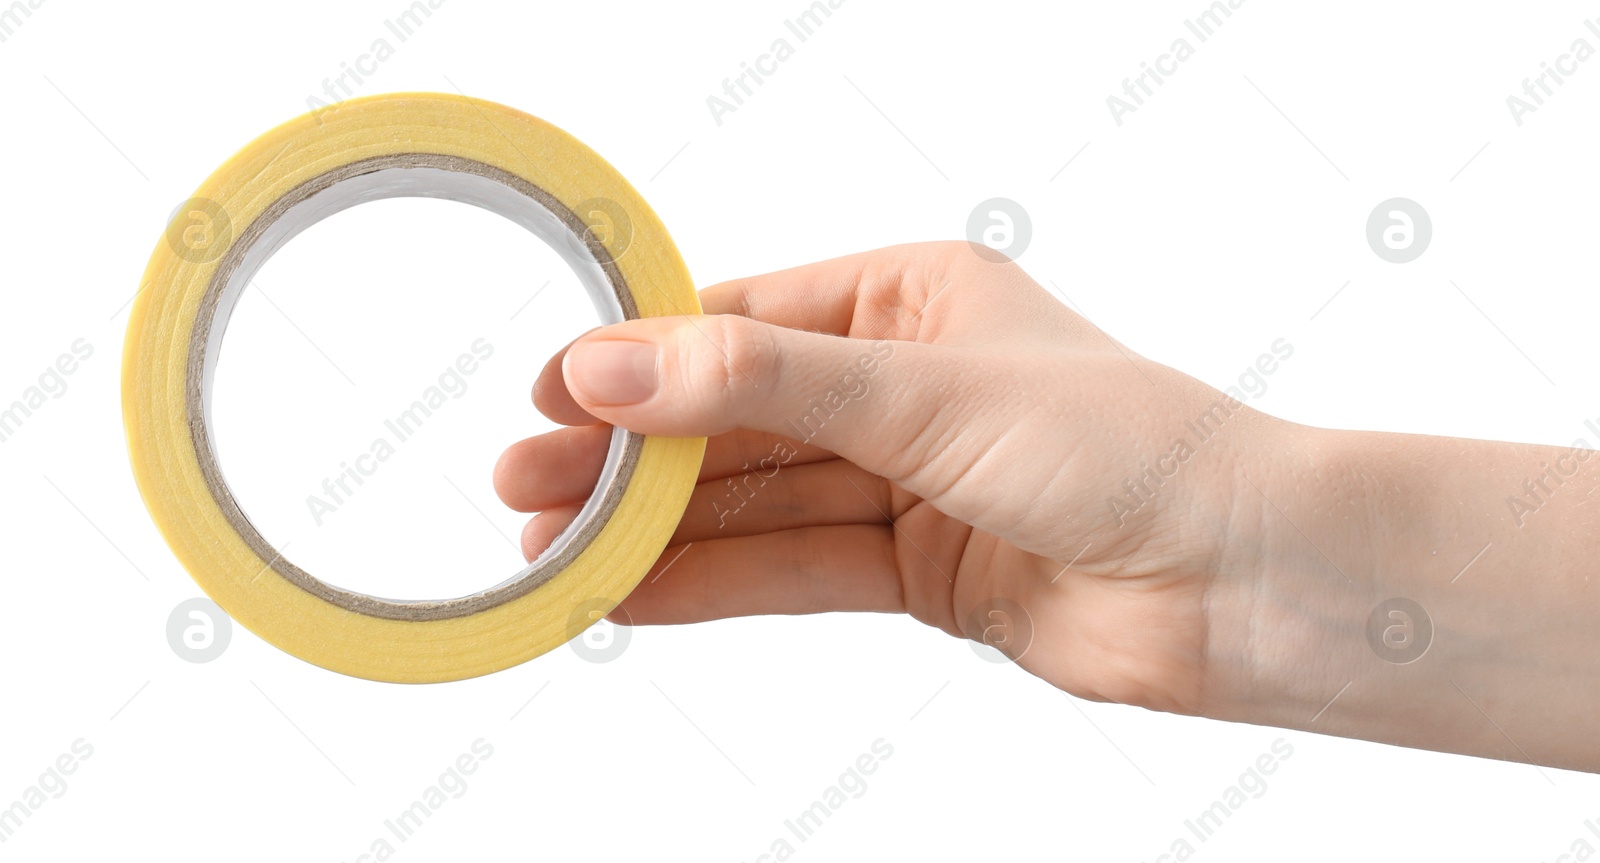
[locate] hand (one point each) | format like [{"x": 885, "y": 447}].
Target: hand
[{"x": 919, "y": 429}]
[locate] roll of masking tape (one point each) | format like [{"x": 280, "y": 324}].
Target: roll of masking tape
[{"x": 401, "y": 145}]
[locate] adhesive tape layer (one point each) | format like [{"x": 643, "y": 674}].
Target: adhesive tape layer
[{"x": 419, "y": 144}]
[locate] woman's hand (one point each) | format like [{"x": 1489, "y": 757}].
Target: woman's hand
[
  {"x": 919, "y": 429},
  {"x": 923, "y": 429}
]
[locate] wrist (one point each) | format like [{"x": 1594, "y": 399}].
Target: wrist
[
  {"x": 1379, "y": 587},
  {"x": 1296, "y": 576}
]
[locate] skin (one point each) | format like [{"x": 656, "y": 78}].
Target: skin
[{"x": 965, "y": 480}]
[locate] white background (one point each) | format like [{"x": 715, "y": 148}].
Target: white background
[{"x": 1224, "y": 214}]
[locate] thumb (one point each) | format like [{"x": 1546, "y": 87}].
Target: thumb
[{"x": 894, "y": 408}]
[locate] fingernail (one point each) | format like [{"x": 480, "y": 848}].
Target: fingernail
[{"x": 612, "y": 371}]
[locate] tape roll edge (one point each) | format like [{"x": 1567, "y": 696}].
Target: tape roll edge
[{"x": 499, "y": 637}]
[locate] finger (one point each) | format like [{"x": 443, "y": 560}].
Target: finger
[
  {"x": 818, "y": 296},
  {"x": 562, "y": 466},
  {"x": 821, "y": 297},
  {"x": 746, "y": 450},
  {"x": 865, "y": 295},
  {"x": 542, "y": 529},
  {"x": 804, "y": 571},
  {"x": 861, "y": 295},
  {"x": 551, "y": 398},
  {"x": 552, "y": 469},
  {"x": 833, "y": 492},
  {"x": 894, "y": 408}
]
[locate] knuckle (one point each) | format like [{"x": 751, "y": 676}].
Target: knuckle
[{"x": 741, "y": 354}]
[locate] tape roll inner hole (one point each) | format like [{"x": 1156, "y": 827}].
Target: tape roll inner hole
[{"x": 429, "y": 176}]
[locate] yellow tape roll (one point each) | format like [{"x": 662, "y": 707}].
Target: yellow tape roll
[{"x": 414, "y": 144}]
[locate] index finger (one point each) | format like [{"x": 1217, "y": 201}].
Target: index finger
[{"x": 855, "y": 295}]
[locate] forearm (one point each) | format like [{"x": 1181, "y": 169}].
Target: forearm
[{"x": 1495, "y": 543}]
